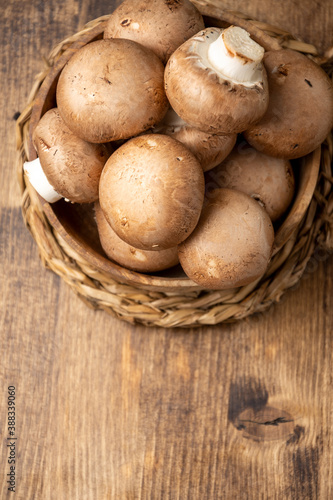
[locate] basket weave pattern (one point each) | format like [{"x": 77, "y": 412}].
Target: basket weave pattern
[{"x": 194, "y": 308}]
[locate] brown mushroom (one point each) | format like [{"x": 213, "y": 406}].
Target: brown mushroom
[
  {"x": 266, "y": 179},
  {"x": 152, "y": 191},
  {"x": 160, "y": 25},
  {"x": 111, "y": 90},
  {"x": 216, "y": 82},
  {"x": 232, "y": 243},
  {"x": 210, "y": 149},
  {"x": 71, "y": 165},
  {"x": 128, "y": 256},
  {"x": 300, "y": 112}
]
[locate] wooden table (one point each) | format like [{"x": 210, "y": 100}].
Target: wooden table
[{"x": 105, "y": 410}]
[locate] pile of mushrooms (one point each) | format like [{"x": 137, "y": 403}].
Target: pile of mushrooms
[{"x": 148, "y": 127}]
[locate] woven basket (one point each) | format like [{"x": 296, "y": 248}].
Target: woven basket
[{"x": 72, "y": 249}]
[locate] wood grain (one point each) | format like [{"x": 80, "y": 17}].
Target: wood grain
[{"x": 110, "y": 411}]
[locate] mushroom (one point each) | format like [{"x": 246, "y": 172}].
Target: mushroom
[
  {"x": 34, "y": 172},
  {"x": 232, "y": 243},
  {"x": 111, "y": 90},
  {"x": 69, "y": 165},
  {"x": 128, "y": 256},
  {"x": 266, "y": 179},
  {"x": 152, "y": 191},
  {"x": 210, "y": 149},
  {"x": 216, "y": 82},
  {"x": 300, "y": 111},
  {"x": 161, "y": 26}
]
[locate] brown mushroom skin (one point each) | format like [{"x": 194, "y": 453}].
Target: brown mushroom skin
[
  {"x": 206, "y": 100},
  {"x": 72, "y": 166},
  {"x": 232, "y": 243},
  {"x": 268, "y": 180},
  {"x": 127, "y": 256},
  {"x": 161, "y": 25},
  {"x": 152, "y": 191},
  {"x": 111, "y": 90},
  {"x": 210, "y": 149},
  {"x": 300, "y": 112}
]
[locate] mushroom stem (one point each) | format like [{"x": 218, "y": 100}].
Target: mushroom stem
[
  {"x": 39, "y": 182},
  {"x": 236, "y": 56}
]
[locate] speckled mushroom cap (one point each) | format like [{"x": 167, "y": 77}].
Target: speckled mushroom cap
[
  {"x": 72, "y": 166},
  {"x": 152, "y": 191},
  {"x": 266, "y": 179},
  {"x": 206, "y": 99},
  {"x": 300, "y": 112},
  {"x": 210, "y": 149},
  {"x": 110, "y": 90},
  {"x": 232, "y": 243},
  {"x": 128, "y": 256},
  {"x": 160, "y": 25}
]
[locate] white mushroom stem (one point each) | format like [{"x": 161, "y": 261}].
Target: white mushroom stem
[
  {"x": 236, "y": 56},
  {"x": 38, "y": 180}
]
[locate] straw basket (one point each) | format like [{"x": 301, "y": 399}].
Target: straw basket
[{"x": 68, "y": 243}]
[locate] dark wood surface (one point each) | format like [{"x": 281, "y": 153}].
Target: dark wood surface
[{"x": 106, "y": 410}]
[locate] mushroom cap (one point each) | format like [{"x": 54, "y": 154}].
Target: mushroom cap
[
  {"x": 128, "y": 256},
  {"x": 161, "y": 26},
  {"x": 72, "y": 166},
  {"x": 210, "y": 149},
  {"x": 232, "y": 243},
  {"x": 152, "y": 191},
  {"x": 300, "y": 111},
  {"x": 266, "y": 179},
  {"x": 110, "y": 90},
  {"x": 206, "y": 99}
]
